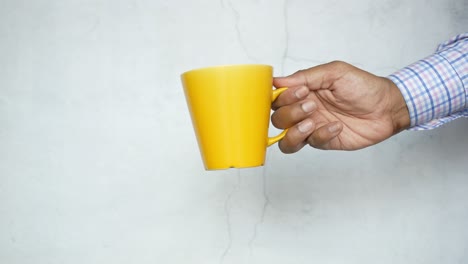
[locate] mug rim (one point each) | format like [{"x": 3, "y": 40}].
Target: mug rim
[{"x": 222, "y": 66}]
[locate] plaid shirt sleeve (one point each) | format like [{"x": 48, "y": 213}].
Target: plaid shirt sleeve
[{"x": 436, "y": 88}]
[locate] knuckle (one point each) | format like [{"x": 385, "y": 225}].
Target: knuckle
[
  {"x": 311, "y": 142},
  {"x": 276, "y": 120},
  {"x": 287, "y": 149},
  {"x": 291, "y": 143},
  {"x": 339, "y": 65},
  {"x": 275, "y": 106},
  {"x": 280, "y": 101},
  {"x": 300, "y": 71},
  {"x": 283, "y": 147},
  {"x": 316, "y": 140},
  {"x": 285, "y": 116}
]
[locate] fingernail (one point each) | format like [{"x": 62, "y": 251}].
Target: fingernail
[
  {"x": 308, "y": 106},
  {"x": 305, "y": 126},
  {"x": 301, "y": 92},
  {"x": 334, "y": 128}
]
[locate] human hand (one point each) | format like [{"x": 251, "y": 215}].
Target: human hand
[{"x": 337, "y": 106}]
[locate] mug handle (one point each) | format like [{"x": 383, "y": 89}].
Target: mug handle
[{"x": 273, "y": 140}]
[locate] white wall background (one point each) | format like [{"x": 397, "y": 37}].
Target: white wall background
[{"x": 99, "y": 163}]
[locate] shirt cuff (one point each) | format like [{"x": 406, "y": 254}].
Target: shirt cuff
[{"x": 436, "y": 88}]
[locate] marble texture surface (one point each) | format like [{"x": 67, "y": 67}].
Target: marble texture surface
[{"x": 99, "y": 164}]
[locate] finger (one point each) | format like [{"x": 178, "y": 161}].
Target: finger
[
  {"x": 322, "y": 136},
  {"x": 290, "y": 96},
  {"x": 296, "y": 137},
  {"x": 289, "y": 115}
]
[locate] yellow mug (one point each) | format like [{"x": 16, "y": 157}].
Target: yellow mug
[{"x": 230, "y": 110}]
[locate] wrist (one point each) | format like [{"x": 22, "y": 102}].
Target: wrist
[{"x": 398, "y": 109}]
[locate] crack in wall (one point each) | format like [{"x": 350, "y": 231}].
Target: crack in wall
[
  {"x": 227, "y": 211},
  {"x": 266, "y": 203},
  {"x": 238, "y": 30},
  {"x": 266, "y": 198}
]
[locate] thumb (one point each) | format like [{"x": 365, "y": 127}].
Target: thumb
[
  {"x": 293, "y": 80},
  {"x": 318, "y": 77}
]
